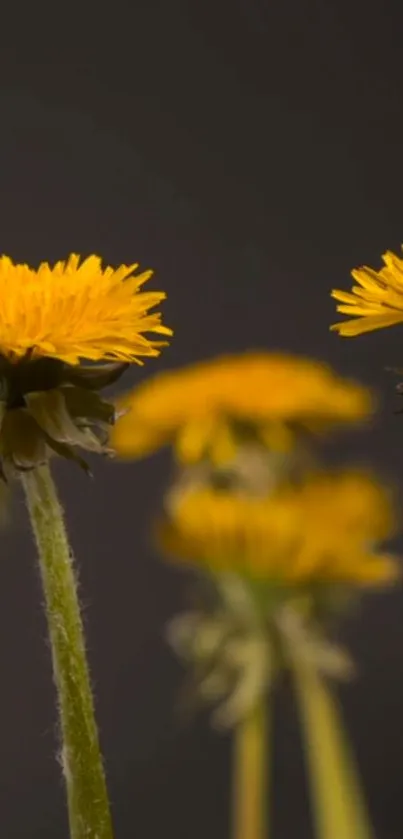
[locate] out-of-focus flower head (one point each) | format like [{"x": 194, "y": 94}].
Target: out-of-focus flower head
[
  {"x": 323, "y": 530},
  {"x": 51, "y": 319},
  {"x": 377, "y": 300},
  {"x": 209, "y": 408},
  {"x": 280, "y": 563}
]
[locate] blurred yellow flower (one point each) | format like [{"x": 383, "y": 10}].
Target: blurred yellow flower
[
  {"x": 72, "y": 311},
  {"x": 208, "y": 406},
  {"x": 322, "y": 531},
  {"x": 376, "y": 302}
]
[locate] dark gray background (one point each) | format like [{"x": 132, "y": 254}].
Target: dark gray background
[{"x": 251, "y": 152}]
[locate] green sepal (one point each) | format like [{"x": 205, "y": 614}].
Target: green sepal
[
  {"x": 21, "y": 441},
  {"x": 47, "y": 405},
  {"x": 49, "y": 409},
  {"x": 69, "y": 453},
  {"x": 95, "y": 377},
  {"x": 238, "y": 646},
  {"x": 86, "y": 405}
]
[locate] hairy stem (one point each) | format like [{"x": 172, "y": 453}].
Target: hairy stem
[{"x": 88, "y": 807}]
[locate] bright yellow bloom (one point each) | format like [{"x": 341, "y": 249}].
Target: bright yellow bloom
[
  {"x": 72, "y": 311},
  {"x": 376, "y": 302},
  {"x": 210, "y": 403},
  {"x": 320, "y": 531}
]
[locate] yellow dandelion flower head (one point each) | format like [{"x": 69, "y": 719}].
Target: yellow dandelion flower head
[
  {"x": 74, "y": 311},
  {"x": 376, "y": 301},
  {"x": 200, "y": 404},
  {"x": 320, "y": 531}
]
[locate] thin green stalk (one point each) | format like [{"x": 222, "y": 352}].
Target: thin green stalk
[
  {"x": 250, "y": 776},
  {"x": 338, "y": 806},
  {"x": 88, "y": 807}
]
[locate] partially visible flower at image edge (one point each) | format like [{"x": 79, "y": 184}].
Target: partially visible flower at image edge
[
  {"x": 198, "y": 406},
  {"x": 376, "y": 302},
  {"x": 324, "y": 530}
]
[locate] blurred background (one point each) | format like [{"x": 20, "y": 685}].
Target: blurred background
[{"x": 251, "y": 152}]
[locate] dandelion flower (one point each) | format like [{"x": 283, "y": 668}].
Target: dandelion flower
[
  {"x": 323, "y": 531},
  {"x": 51, "y": 319},
  {"x": 211, "y": 405},
  {"x": 72, "y": 311},
  {"x": 278, "y": 566},
  {"x": 376, "y": 302}
]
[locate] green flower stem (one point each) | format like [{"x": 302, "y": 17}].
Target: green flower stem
[
  {"x": 88, "y": 807},
  {"x": 338, "y": 806},
  {"x": 250, "y": 776}
]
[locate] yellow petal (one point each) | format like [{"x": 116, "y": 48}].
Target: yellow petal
[
  {"x": 350, "y": 328},
  {"x": 368, "y": 278}
]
